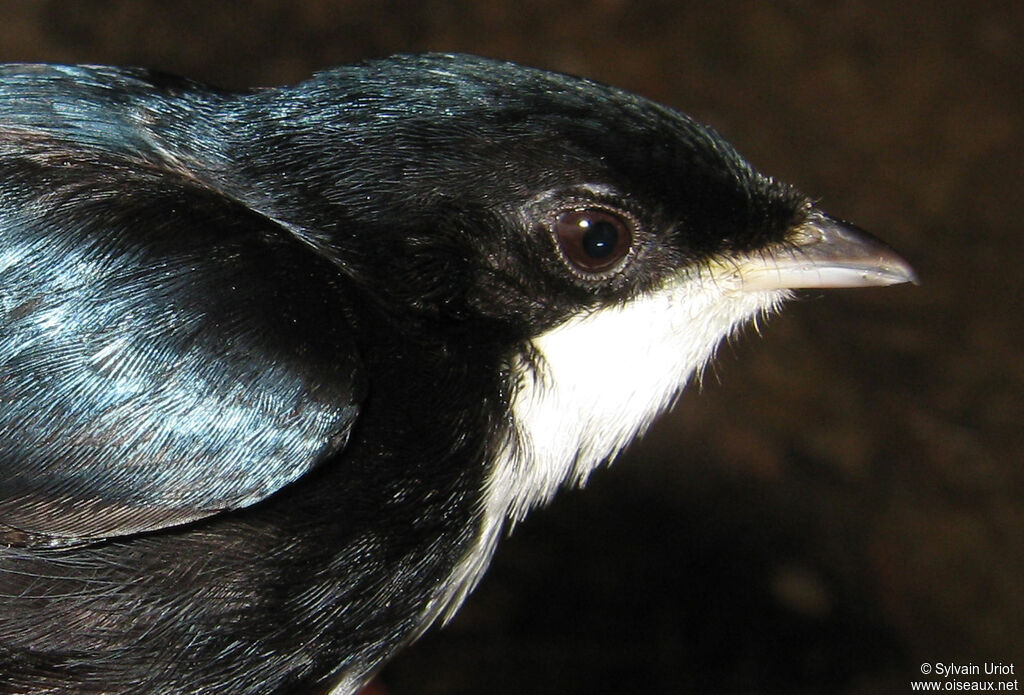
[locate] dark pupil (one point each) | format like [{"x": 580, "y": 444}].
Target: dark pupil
[{"x": 600, "y": 239}]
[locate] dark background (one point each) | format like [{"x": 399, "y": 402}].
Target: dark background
[{"x": 844, "y": 499}]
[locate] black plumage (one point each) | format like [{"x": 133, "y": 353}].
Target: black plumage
[{"x": 263, "y": 354}]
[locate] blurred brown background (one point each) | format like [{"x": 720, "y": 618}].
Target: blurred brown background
[{"x": 844, "y": 499}]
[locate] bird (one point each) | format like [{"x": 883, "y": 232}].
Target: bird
[{"x": 279, "y": 367}]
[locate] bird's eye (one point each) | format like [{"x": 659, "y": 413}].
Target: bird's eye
[{"x": 593, "y": 240}]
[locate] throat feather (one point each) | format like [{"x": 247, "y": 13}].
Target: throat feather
[
  {"x": 584, "y": 390},
  {"x": 596, "y": 382}
]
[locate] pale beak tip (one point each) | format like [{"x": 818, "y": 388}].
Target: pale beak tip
[{"x": 892, "y": 269}]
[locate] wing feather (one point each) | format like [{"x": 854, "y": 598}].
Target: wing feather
[{"x": 165, "y": 352}]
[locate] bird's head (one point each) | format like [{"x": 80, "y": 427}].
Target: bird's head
[{"x": 474, "y": 191}]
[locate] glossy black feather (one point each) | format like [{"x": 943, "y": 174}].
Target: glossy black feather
[{"x": 166, "y": 353}]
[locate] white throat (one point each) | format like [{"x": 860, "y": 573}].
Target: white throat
[
  {"x": 599, "y": 380},
  {"x": 590, "y": 386}
]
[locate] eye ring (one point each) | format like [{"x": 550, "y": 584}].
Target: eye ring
[{"x": 593, "y": 241}]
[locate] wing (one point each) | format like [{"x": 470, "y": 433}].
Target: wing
[{"x": 165, "y": 352}]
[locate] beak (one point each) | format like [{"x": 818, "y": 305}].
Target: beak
[{"x": 825, "y": 252}]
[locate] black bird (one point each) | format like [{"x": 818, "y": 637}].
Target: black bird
[{"x": 279, "y": 367}]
